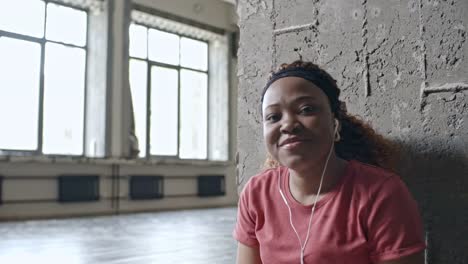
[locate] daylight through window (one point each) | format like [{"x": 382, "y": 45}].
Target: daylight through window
[{"x": 43, "y": 48}]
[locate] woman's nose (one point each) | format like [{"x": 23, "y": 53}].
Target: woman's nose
[{"x": 290, "y": 125}]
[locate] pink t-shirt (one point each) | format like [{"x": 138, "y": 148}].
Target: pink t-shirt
[{"x": 369, "y": 216}]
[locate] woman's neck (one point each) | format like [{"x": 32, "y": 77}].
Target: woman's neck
[{"x": 305, "y": 183}]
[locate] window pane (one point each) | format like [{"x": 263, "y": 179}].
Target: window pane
[
  {"x": 63, "y": 99},
  {"x": 66, "y": 24},
  {"x": 194, "y": 54},
  {"x": 164, "y": 112},
  {"x": 193, "y": 122},
  {"x": 19, "y": 93},
  {"x": 163, "y": 47},
  {"x": 138, "y": 41},
  {"x": 23, "y": 16},
  {"x": 138, "y": 86}
]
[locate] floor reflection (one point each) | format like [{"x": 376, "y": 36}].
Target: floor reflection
[{"x": 191, "y": 236}]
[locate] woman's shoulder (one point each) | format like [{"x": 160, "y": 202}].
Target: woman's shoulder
[
  {"x": 371, "y": 176},
  {"x": 264, "y": 179},
  {"x": 265, "y": 176},
  {"x": 378, "y": 187}
]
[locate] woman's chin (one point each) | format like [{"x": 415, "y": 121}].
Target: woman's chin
[{"x": 297, "y": 162}]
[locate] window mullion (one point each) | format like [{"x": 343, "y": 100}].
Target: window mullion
[
  {"x": 195, "y": 70},
  {"x": 148, "y": 98},
  {"x": 41, "y": 100},
  {"x": 69, "y": 45},
  {"x": 20, "y": 36},
  {"x": 85, "y": 93},
  {"x": 148, "y": 109},
  {"x": 208, "y": 92},
  {"x": 179, "y": 112},
  {"x": 41, "y": 87}
]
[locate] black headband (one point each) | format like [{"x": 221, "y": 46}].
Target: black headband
[{"x": 315, "y": 77}]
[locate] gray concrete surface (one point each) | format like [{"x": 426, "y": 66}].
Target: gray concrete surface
[{"x": 401, "y": 65}]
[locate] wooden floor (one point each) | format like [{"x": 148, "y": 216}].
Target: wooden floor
[{"x": 192, "y": 237}]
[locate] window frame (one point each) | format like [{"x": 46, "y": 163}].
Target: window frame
[
  {"x": 40, "y": 118},
  {"x": 179, "y": 67}
]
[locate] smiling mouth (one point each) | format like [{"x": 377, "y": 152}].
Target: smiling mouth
[{"x": 292, "y": 144}]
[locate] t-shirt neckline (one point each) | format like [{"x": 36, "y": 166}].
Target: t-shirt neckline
[{"x": 327, "y": 197}]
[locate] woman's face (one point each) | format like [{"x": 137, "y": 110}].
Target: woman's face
[{"x": 298, "y": 126}]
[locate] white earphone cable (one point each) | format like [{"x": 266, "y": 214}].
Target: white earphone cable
[{"x": 313, "y": 207}]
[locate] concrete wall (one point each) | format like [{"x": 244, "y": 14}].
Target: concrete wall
[
  {"x": 30, "y": 184},
  {"x": 402, "y": 65}
]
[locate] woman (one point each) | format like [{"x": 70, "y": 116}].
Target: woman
[{"x": 330, "y": 196}]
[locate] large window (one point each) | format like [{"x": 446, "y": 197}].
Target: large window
[
  {"x": 171, "y": 80},
  {"x": 43, "y": 48}
]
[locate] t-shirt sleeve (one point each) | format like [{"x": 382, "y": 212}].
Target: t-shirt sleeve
[
  {"x": 244, "y": 230},
  {"x": 394, "y": 225}
]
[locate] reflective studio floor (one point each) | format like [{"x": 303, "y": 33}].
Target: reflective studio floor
[{"x": 191, "y": 237}]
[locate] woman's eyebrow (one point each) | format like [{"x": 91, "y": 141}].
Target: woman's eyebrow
[
  {"x": 305, "y": 98},
  {"x": 272, "y": 106}
]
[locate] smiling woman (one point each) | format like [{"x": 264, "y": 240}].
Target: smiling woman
[
  {"x": 331, "y": 174},
  {"x": 357, "y": 139}
]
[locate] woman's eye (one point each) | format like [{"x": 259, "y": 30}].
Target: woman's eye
[
  {"x": 308, "y": 109},
  {"x": 272, "y": 118}
]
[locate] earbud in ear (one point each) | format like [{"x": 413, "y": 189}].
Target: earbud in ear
[{"x": 337, "y": 134}]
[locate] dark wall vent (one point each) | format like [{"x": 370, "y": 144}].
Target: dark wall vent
[
  {"x": 78, "y": 188},
  {"x": 146, "y": 187},
  {"x": 211, "y": 185}
]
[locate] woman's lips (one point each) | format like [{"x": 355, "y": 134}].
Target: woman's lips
[{"x": 293, "y": 144}]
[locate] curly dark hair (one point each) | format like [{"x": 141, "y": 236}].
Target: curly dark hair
[{"x": 359, "y": 141}]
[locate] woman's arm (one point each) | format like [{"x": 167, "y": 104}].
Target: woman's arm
[
  {"x": 417, "y": 258},
  {"x": 249, "y": 255}
]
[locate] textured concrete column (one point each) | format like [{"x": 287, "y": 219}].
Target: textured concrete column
[
  {"x": 401, "y": 65},
  {"x": 255, "y": 56}
]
